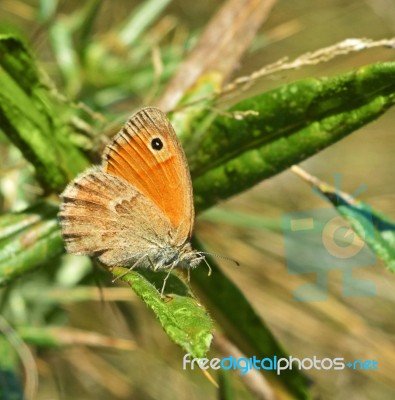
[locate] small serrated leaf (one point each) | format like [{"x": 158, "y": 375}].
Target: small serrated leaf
[{"x": 185, "y": 321}]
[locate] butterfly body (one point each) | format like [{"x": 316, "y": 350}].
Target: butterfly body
[{"x": 136, "y": 209}]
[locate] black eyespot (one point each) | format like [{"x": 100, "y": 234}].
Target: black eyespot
[{"x": 156, "y": 144}]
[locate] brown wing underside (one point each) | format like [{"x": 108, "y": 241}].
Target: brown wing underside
[
  {"x": 103, "y": 216},
  {"x": 160, "y": 174}
]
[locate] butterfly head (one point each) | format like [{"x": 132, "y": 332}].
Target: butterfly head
[{"x": 188, "y": 257}]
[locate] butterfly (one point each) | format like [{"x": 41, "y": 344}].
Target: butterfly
[{"x": 136, "y": 208}]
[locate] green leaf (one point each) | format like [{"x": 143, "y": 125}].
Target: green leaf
[
  {"x": 87, "y": 17},
  {"x": 242, "y": 324},
  {"x": 31, "y": 118},
  {"x": 184, "y": 320},
  {"x": 225, "y": 391},
  {"x": 376, "y": 229},
  {"x": 18, "y": 63},
  {"x": 140, "y": 20},
  {"x": 66, "y": 55},
  {"x": 282, "y": 127},
  {"x": 27, "y": 240}
]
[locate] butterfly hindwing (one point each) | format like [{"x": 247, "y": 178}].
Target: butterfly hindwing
[{"x": 103, "y": 216}]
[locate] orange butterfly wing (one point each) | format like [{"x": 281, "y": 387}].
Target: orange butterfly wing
[{"x": 147, "y": 154}]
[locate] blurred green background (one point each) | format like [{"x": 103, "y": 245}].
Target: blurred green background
[{"x": 353, "y": 328}]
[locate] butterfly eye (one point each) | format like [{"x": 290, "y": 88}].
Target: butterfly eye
[{"x": 156, "y": 144}]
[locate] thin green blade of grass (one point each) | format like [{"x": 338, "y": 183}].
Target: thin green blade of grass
[
  {"x": 242, "y": 324},
  {"x": 11, "y": 384},
  {"x": 140, "y": 19},
  {"x": 374, "y": 228},
  {"x": 27, "y": 240},
  {"x": 87, "y": 17},
  {"x": 60, "y": 35},
  {"x": 47, "y": 10},
  {"x": 225, "y": 391}
]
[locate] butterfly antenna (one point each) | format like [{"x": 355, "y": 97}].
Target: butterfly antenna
[{"x": 220, "y": 256}]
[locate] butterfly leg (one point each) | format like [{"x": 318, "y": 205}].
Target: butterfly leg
[
  {"x": 154, "y": 267},
  {"x": 208, "y": 266},
  {"x": 166, "y": 278},
  {"x": 132, "y": 267}
]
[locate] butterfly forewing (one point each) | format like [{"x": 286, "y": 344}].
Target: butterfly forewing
[{"x": 147, "y": 154}]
